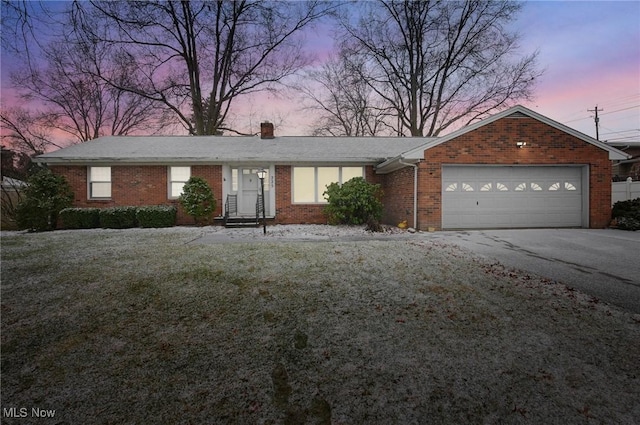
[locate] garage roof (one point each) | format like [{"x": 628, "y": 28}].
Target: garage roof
[
  {"x": 417, "y": 153},
  {"x": 613, "y": 152}
]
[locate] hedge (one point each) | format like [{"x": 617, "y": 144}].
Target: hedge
[
  {"x": 80, "y": 218},
  {"x": 118, "y": 217},
  {"x": 157, "y": 216}
]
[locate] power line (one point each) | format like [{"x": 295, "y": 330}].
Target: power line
[
  {"x": 618, "y": 110},
  {"x": 621, "y": 131}
]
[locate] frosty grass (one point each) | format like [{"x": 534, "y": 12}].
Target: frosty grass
[{"x": 308, "y": 326}]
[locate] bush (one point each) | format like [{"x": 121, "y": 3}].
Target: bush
[
  {"x": 118, "y": 217},
  {"x": 45, "y": 196},
  {"x": 354, "y": 202},
  {"x": 156, "y": 216},
  {"x": 80, "y": 218},
  {"x": 197, "y": 200},
  {"x": 627, "y": 214}
]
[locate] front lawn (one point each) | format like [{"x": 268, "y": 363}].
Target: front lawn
[{"x": 140, "y": 326}]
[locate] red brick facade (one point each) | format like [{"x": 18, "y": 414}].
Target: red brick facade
[
  {"x": 495, "y": 144},
  {"x": 492, "y": 144},
  {"x": 398, "y": 196},
  {"x": 289, "y": 213},
  {"x": 137, "y": 185}
]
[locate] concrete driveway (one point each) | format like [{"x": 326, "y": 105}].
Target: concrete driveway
[{"x": 602, "y": 263}]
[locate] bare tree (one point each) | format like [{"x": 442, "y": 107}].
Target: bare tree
[
  {"x": 343, "y": 101},
  {"x": 59, "y": 78},
  {"x": 24, "y": 24},
  {"x": 25, "y": 131},
  {"x": 76, "y": 100},
  {"x": 442, "y": 63},
  {"x": 196, "y": 57}
]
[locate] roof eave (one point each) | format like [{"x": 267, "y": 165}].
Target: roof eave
[
  {"x": 202, "y": 160},
  {"x": 395, "y": 163}
]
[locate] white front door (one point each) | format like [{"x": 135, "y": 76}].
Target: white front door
[{"x": 246, "y": 185}]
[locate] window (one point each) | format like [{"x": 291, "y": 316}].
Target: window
[
  {"x": 99, "y": 182},
  {"x": 178, "y": 176},
  {"x": 310, "y": 183},
  {"x": 452, "y": 187},
  {"x": 234, "y": 179},
  {"x": 535, "y": 186}
]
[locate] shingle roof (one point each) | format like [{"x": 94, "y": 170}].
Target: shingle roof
[
  {"x": 220, "y": 149},
  {"x": 388, "y": 152}
]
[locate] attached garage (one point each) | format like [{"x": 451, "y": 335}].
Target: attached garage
[
  {"x": 476, "y": 197},
  {"x": 515, "y": 169}
]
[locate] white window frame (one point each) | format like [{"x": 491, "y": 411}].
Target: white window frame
[
  {"x": 91, "y": 181},
  {"x": 318, "y": 193},
  {"x": 171, "y": 181}
]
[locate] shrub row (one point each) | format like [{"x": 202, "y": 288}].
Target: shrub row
[
  {"x": 118, "y": 217},
  {"x": 627, "y": 214}
]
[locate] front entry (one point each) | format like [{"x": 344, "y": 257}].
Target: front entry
[{"x": 246, "y": 185}]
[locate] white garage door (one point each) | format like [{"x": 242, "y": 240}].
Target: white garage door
[{"x": 476, "y": 197}]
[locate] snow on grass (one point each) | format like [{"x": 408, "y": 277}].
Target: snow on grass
[{"x": 178, "y": 325}]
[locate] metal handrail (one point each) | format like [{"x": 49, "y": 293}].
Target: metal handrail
[{"x": 231, "y": 206}]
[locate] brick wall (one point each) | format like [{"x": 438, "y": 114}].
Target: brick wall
[
  {"x": 398, "y": 196},
  {"x": 290, "y": 213},
  {"x": 495, "y": 143},
  {"x": 139, "y": 185}
]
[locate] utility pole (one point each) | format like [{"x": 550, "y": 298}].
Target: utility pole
[{"x": 597, "y": 120}]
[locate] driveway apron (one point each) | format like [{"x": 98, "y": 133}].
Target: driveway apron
[{"x": 602, "y": 263}]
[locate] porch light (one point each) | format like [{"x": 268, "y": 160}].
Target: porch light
[
  {"x": 262, "y": 173},
  {"x": 521, "y": 145}
]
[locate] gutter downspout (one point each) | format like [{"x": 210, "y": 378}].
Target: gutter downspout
[{"x": 415, "y": 191}]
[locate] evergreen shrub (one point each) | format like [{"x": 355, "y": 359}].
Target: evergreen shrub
[
  {"x": 80, "y": 218},
  {"x": 118, "y": 217},
  {"x": 197, "y": 200},
  {"x": 627, "y": 214},
  {"x": 354, "y": 202},
  {"x": 45, "y": 195},
  {"x": 156, "y": 216}
]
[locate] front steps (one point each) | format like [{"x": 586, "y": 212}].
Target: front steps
[{"x": 239, "y": 222}]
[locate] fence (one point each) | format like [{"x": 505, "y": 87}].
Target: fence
[{"x": 623, "y": 191}]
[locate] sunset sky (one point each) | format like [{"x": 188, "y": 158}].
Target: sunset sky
[
  {"x": 591, "y": 55},
  {"x": 590, "y": 52}
]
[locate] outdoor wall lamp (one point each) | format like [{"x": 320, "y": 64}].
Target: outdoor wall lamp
[
  {"x": 521, "y": 145},
  {"x": 262, "y": 173}
]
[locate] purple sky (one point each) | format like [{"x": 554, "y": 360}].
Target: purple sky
[
  {"x": 590, "y": 51},
  {"x": 591, "y": 55}
]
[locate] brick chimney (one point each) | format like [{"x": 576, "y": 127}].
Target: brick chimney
[{"x": 266, "y": 130}]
